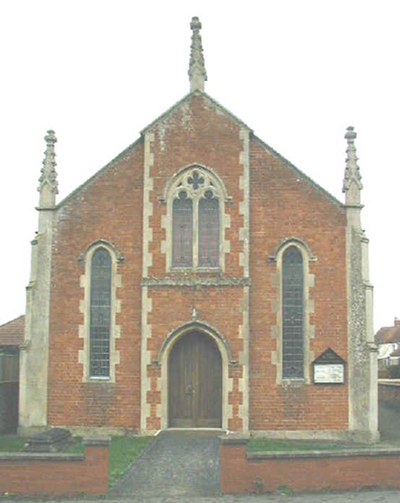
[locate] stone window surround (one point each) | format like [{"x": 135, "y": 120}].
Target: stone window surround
[
  {"x": 84, "y": 307},
  {"x": 219, "y": 190},
  {"x": 309, "y": 330}
]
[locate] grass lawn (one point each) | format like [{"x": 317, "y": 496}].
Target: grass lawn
[
  {"x": 262, "y": 444},
  {"x": 11, "y": 443},
  {"x": 123, "y": 450}
]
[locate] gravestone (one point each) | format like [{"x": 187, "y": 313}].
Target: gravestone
[{"x": 54, "y": 440}]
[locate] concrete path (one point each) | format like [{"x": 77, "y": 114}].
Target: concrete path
[
  {"x": 178, "y": 463},
  {"x": 339, "y": 497},
  {"x": 376, "y": 496}
]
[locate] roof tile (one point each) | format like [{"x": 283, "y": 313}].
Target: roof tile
[
  {"x": 388, "y": 334},
  {"x": 12, "y": 333}
]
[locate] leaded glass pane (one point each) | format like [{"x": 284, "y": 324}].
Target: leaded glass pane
[
  {"x": 292, "y": 314},
  {"x": 100, "y": 313},
  {"x": 182, "y": 231},
  {"x": 209, "y": 231}
]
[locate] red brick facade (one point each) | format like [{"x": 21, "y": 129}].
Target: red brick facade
[
  {"x": 239, "y": 303},
  {"x": 107, "y": 207},
  {"x": 286, "y": 204}
]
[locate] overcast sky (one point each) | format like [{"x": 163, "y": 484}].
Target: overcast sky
[{"x": 297, "y": 72}]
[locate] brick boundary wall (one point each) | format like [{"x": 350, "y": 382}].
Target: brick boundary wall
[
  {"x": 389, "y": 391},
  {"x": 48, "y": 474},
  {"x": 301, "y": 471}
]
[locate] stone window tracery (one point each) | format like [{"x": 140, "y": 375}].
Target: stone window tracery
[{"x": 196, "y": 208}]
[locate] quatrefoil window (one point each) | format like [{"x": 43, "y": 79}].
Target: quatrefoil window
[{"x": 196, "y": 180}]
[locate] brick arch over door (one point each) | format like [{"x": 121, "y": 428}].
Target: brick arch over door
[{"x": 194, "y": 379}]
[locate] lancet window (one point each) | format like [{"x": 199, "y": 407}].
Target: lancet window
[
  {"x": 100, "y": 306},
  {"x": 292, "y": 314},
  {"x": 100, "y": 313},
  {"x": 293, "y": 307}
]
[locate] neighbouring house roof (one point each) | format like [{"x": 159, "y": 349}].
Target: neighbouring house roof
[
  {"x": 12, "y": 333},
  {"x": 388, "y": 334}
]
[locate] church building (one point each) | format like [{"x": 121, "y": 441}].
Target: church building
[{"x": 200, "y": 280}]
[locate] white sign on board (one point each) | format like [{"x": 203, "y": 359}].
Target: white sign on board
[{"x": 329, "y": 373}]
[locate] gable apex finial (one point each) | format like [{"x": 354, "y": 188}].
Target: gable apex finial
[
  {"x": 48, "y": 185},
  {"x": 197, "y": 71},
  {"x": 352, "y": 184},
  {"x": 195, "y": 24}
]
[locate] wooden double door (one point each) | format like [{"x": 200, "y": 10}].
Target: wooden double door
[{"x": 195, "y": 383}]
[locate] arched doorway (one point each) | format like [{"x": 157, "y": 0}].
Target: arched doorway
[{"x": 195, "y": 383}]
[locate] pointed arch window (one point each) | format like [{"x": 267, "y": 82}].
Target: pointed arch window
[
  {"x": 100, "y": 304},
  {"x": 292, "y": 314},
  {"x": 196, "y": 205},
  {"x": 100, "y": 313}
]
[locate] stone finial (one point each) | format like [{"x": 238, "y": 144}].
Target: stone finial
[
  {"x": 48, "y": 185},
  {"x": 197, "y": 71},
  {"x": 352, "y": 179}
]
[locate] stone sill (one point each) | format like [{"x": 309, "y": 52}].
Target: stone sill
[
  {"x": 234, "y": 439},
  {"x": 193, "y": 280},
  {"x": 41, "y": 456},
  {"x": 389, "y": 382},
  {"x": 97, "y": 441},
  {"x": 343, "y": 453}
]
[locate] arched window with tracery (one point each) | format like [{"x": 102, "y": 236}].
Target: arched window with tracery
[
  {"x": 196, "y": 200},
  {"x": 100, "y": 313},
  {"x": 292, "y": 314}
]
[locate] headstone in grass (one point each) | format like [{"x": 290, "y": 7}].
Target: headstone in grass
[{"x": 53, "y": 440}]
